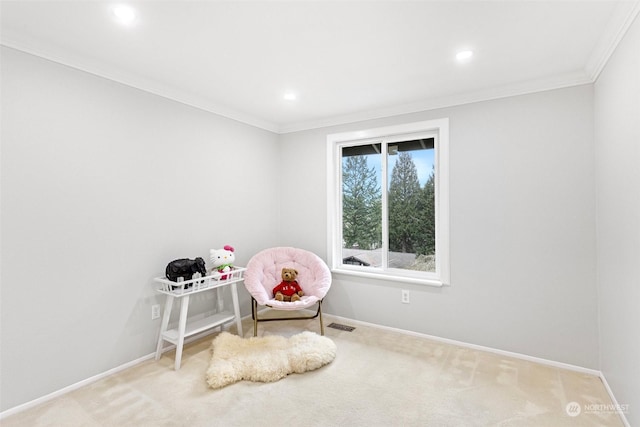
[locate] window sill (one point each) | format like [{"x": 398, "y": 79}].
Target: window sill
[{"x": 390, "y": 277}]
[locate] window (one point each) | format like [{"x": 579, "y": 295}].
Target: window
[{"x": 388, "y": 201}]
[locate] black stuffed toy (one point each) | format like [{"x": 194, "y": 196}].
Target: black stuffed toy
[{"x": 185, "y": 268}]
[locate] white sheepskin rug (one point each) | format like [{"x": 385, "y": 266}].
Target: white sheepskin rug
[{"x": 266, "y": 359}]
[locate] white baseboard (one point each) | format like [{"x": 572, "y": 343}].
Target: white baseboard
[
  {"x": 618, "y": 407},
  {"x": 72, "y": 387},
  {"x": 98, "y": 377},
  {"x": 570, "y": 367},
  {"x": 521, "y": 356}
]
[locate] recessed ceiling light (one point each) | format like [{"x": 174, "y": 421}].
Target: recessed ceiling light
[
  {"x": 290, "y": 96},
  {"x": 464, "y": 55},
  {"x": 124, "y": 14}
]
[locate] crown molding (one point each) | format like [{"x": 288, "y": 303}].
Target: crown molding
[
  {"x": 146, "y": 84},
  {"x": 617, "y": 27},
  {"x": 521, "y": 88}
]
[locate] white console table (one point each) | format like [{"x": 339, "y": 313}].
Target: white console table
[{"x": 183, "y": 291}]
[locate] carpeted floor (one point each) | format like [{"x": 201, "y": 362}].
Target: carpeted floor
[{"x": 378, "y": 378}]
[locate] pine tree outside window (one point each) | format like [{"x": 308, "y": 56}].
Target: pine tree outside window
[{"x": 388, "y": 202}]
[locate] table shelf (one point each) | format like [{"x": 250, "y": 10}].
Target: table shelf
[{"x": 195, "y": 327}]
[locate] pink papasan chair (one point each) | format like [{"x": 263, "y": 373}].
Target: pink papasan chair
[{"x": 264, "y": 273}]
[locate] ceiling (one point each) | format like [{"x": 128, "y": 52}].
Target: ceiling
[{"x": 345, "y": 61}]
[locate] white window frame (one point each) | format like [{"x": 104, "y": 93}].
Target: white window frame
[{"x": 439, "y": 130}]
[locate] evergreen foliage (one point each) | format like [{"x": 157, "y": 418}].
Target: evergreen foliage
[
  {"x": 362, "y": 205},
  {"x": 404, "y": 205},
  {"x": 426, "y": 233}
]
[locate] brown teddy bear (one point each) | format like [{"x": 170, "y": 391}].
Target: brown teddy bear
[{"x": 288, "y": 289}]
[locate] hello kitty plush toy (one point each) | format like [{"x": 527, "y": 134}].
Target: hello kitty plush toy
[{"x": 222, "y": 260}]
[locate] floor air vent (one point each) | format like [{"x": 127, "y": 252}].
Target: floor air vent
[{"x": 341, "y": 327}]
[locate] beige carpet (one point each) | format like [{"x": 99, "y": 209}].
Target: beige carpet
[{"x": 378, "y": 378}]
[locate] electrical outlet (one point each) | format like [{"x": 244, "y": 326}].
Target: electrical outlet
[
  {"x": 155, "y": 311},
  {"x": 405, "y": 296}
]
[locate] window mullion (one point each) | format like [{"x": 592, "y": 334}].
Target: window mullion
[{"x": 385, "y": 209}]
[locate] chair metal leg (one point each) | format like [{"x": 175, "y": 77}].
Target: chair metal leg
[
  {"x": 320, "y": 313},
  {"x": 254, "y": 315}
]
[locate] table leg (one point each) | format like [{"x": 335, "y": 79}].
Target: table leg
[
  {"x": 236, "y": 308},
  {"x": 168, "y": 305},
  {"x": 220, "y": 297},
  {"x": 182, "y": 325}
]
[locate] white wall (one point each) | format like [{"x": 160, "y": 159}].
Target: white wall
[
  {"x": 617, "y": 139},
  {"x": 522, "y": 228},
  {"x": 102, "y": 185}
]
